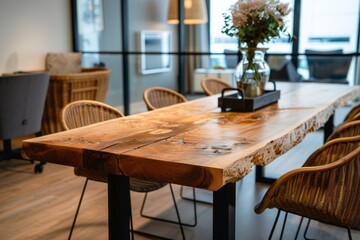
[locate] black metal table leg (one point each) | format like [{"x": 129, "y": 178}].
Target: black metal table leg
[
  {"x": 260, "y": 175},
  {"x": 119, "y": 207},
  {"x": 224, "y": 212},
  {"x": 328, "y": 128}
]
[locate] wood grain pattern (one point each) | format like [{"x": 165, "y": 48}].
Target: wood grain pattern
[{"x": 193, "y": 143}]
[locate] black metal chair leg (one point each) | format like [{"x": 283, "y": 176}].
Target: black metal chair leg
[
  {"x": 306, "y": 229},
  {"x": 78, "y": 208},
  {"x": 39, "y": 168},
  {"x": 298, "y": 229},
  {"x": 195, "y": 211},
  {"x": 283, "y": 227},
  {"x": 140, "y": 232},
  {"x": 192, "y": 199},
  {"x": 275, "y": 223},
  {"x": 167, "y": 220},
  {"x": 161, "y": 219},
  {"x": 143, "y": 205},
  {"x": 151, "y": 236},
  {"x": 194, "y": 203},
  {"x": 177, "y": 212},
  {"x": 349, "y": 233}
]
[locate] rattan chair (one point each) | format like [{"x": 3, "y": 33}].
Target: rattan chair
[
  {"x": 347, "y": 129},
  {"x": 85, "y": 112},
  {"x": 331, "y": 69},
  {"x": 212, "y": 86},
  {"x": 158, "y": 97},
  {"x": 354, "y": 113},
  {"x": 356, "y": 117},
  {"x": 325, "y": 189}
]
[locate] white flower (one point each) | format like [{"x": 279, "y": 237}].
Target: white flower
[
  {"x": 256, "y": 21},
  {"x": 284, "y": 9}
]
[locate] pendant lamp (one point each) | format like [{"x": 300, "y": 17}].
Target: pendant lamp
[{"x": 195, "y": 12}]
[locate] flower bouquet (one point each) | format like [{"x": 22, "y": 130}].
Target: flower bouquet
[{"x": 254, "y": 22}]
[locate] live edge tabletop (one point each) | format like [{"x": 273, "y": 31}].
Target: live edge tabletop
[{"x": 194, "y": 143}]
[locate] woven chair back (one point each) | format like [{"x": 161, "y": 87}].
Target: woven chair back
[
  {"x": 159, "y": 97},
  {"x": 85, "y": 112},
  {"x": 212, "y": 86},
  {"x": 354, "y": 114},
  {"x": 348, "y": 129}
]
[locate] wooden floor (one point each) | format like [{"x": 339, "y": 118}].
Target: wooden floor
[{"x": 42, "y": 206}]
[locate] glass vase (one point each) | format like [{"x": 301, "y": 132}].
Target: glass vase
[{"x": 252, "y": 77}]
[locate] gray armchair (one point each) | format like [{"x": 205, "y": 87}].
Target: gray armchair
[
  {"x": 282, "y": 69},
  {"x": 331, "y": 69},
  {"x": 22, "y": 100}
]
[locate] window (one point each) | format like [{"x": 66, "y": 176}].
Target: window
[
  {"x": 219, "y": 41},
  {"x": 332, "y": 29},
  {"x": 329, "y": 29}
]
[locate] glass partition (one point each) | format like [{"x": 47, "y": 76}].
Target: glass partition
[
  {"x": 324, "y": 36},
  {"x": 99, "y": 24},
  {"x": 330, "y": 31}
]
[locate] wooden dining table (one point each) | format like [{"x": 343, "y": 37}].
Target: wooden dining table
[{"x": 192, "y": 144}]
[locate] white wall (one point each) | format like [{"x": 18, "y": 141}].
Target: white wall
[{"x": 31, "y": 28}]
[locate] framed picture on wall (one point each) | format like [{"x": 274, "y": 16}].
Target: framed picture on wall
[
  {"x": 90, "y": 16},
  {"x": 154, "y": 47}
]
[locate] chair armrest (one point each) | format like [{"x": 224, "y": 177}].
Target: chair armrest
[
  {"x": 332, "y": 151},
  {"x": 306, "y": 177}
]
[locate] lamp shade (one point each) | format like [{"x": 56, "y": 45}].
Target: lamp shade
[{"x": 195, "y": 12}]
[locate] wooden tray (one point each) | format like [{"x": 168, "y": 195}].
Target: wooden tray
[{"x": 238, "y": 103}]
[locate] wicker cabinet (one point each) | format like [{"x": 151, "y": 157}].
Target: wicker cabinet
[{"x": 90, "y": 84}]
